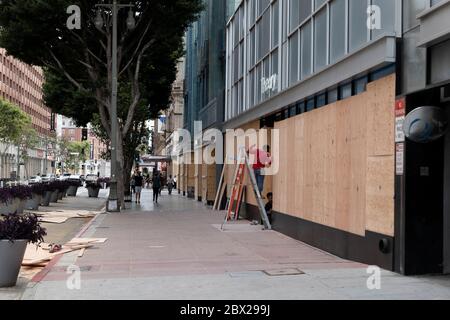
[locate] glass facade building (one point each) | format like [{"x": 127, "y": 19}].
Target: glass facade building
[{"x": 274, "y": 45}]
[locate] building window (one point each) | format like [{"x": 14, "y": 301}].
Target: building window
[
  {"x": 320, "y": 40},
  {"x": 345, "y": 91},
  {"x": 293, "y": 59},
  {"x": 337, "y": 28},
  {"x": 358, "y": 23},
  {"x": 306, "y": 50}
]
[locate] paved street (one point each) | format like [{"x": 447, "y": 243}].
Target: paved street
[{"x": 176, "y": 250}]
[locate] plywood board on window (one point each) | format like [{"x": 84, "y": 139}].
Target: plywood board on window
[
  {"x": 343, "y": 165},
  {"x": 358, "y": 164},
  {"x": 380, "y": 118},
  {"x": 380, "y": 195},
  {"x": 197, "y": 181}
]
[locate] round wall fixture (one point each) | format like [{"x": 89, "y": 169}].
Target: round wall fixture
[
  {"x": 426, "y": 124},
  {"x": 384, "y": 246}
]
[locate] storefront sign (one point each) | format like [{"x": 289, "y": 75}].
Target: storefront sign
[
  {"x": 400, "y": 113},
  {"x": 269, "y": 84},
  {"x": 399, "y": 159}
]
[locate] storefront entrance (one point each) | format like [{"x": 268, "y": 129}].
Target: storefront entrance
[{"x": 426, "y": 220}]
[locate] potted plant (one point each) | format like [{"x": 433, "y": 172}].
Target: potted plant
[
  {"x": 16, "y": 231},
  {"x": 22, "y": 193},
  {"x": 73, "y": 188},
  {"x": 49, "y": 190},
  {"x": 7, "y": 202},
  {"x": 93, "y": 188},
  {"x": 55, "y": 194},
  {"x": 37, "y": 192},
  {"x": 62, "y": 189}
]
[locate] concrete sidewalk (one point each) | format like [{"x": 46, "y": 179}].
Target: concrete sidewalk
[{"x": 176, "y": 250}]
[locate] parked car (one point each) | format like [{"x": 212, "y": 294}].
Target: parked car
[
  {"x": 77, "y": 178},
  {"x": 48, "y": 178},
  {"x": 34, "y": 180},
  {"x": 64, "y": 177},
  {"x": 91, "y": 178}
]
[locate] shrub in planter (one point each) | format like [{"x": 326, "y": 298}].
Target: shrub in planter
[
  {"x": 23, "y": 193},
  {"x": 73, "y": 188},
  {"x": 93, "y": 188},
  {"x": 16, "y": 231},
  {"x": 7, "y": 202},
  {"x": 37, "y": 192},
  {"x": 50, "y": 189}
]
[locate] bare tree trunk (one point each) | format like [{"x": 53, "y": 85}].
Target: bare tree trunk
[{"x": 120, "y": 171}]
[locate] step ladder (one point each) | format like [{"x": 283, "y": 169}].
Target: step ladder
[{"x": 243, "y": 164}]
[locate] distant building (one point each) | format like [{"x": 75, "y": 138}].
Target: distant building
[
  {"x": 204, "y": 91},
  {"x": 95, "y": 164},
  {"x": 21, "y": 84}
]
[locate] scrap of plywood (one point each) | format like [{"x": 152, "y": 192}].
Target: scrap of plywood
[
  {"x": 38, "y": 256},
  {"x": 81, "y": 254},
  {"x": 56, "y": 220},
  {"x": 84, "y": 241}
]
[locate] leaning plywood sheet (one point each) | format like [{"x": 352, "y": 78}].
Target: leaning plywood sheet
[
  {"x": 56, "y": 220},
  {"x": 81, "y": 241},
  {"x": 38, "y": 256}
]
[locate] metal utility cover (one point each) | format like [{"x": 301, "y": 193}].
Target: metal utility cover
[{"x": 283, "y": 272}]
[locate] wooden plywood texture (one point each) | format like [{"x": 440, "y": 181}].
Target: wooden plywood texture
[
  {"x": 209, "y": 187},
  {"x": 380, "y": 195},
  {"x": 198, "y": 181},
  {"x": 330, "y": 166}
]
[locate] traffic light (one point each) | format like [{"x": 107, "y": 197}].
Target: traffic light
[{"x": 84, "y": 134}]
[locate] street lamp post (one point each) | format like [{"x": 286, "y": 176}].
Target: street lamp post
[{"x": 113, "y": 205}]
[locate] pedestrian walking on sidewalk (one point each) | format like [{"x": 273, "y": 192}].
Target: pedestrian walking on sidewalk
[
  {"x": 156, "y": 186},
  {"x": 170, "y": 185},
  {"x": 138, "y": 183}
]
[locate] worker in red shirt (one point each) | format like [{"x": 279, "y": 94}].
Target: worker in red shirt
[{"x": 263, "y": 160}]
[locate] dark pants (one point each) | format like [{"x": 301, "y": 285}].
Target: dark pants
[
  {"x": 155, "y": 194},
  {"x": 260, "y": 180}
]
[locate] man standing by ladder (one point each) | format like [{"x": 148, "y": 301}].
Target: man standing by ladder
[{"x": 263, "y": 160}]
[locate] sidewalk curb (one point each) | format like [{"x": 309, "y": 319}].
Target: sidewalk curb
[{"x": 41, "y": 275}]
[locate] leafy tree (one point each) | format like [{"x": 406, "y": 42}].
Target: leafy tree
[
  {"x": 35, "y": 31},
  {"x": 13, "y": 124},
  {"x": 28, "y": 140},
  {"x": 77, "y": 152}
]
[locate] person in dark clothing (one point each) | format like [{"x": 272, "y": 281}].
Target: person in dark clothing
[
  {"x": 138, "y": 183},
  {"x": 269, "y": 206},
  {"x": 156, "y": 186},
  {"x": 170, "y": 184}
]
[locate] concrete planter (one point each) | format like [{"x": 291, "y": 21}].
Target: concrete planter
[
  {"x": 21, "y": 206},
  {"x": 72, "y": 191},
  {"x": 45, "y": 201},
  {"x": 93, "y": 192},
  {"x": 34, "y": 202},
  {"x": 10, "y": 207},
  {"x": 54, "y": 197},
  {"x": 11, "y": 257}
]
